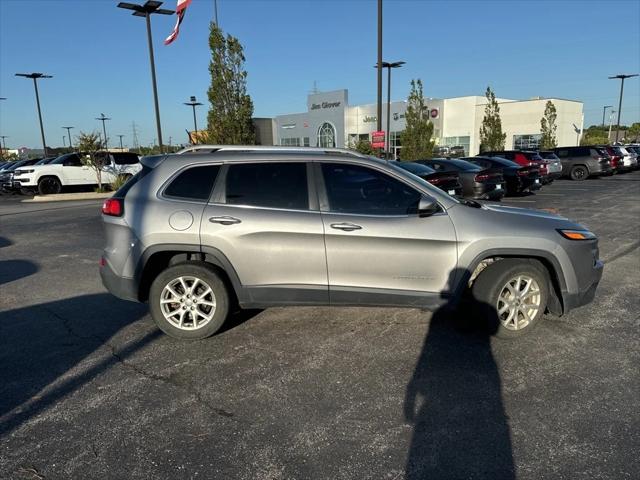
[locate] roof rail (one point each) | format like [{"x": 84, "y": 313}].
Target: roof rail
[{"x": 266, "y": 148}]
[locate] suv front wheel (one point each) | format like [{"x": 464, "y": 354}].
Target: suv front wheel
[
  {"x": 512, "y": 295},
  {"x": 189, "y": 301}
]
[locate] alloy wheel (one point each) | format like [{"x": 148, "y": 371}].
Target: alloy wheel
[
  {"x": 519, "y": 302},
  {"x": 188, "y": 303}
]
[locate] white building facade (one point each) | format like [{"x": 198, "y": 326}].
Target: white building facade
[{"x": 331, "y": 122}]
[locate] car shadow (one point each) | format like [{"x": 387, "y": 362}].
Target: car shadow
[
  {"x": 454, "y": 401},
  {"x": 11, "y": 270},
  {"x": 5, "y": 242},
  {"x": 44, "y": 347}
]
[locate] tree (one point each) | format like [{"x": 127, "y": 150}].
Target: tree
[
  {"x": 89, "y": 144},
  {"x": 548, "y": 127},
  {"x": 416, "y": 137},
  {"x": 491, "y": 136},
  {"x": 633, "y": 134},
  {"x": 361, "y": 146},
  {"x": 229, "y": 119}
]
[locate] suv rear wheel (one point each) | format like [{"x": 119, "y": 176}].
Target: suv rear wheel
[
  {"x": 579, "y": 172},
  {"x": 189, "y": 301},
  {"x": 513, "y": 296}
]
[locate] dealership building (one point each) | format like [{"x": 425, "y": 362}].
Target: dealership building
[{"x": 331, "y": 122}]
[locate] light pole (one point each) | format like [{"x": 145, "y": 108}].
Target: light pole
[
  {"x": 389, "y": 66},
  {"x": 35, "y": 76},
  {"x": 3, "y": 145},
  {"x": 379, "y": 65},
  {"x": 121, "y": 147},
  {"x": 103, "y": 119},
  {"x": 69, "y": 133},
  {"x": 64, "y": 141},
  {"x": 604, "y": 109},
  {"x": 621, "y": 77},
  {"x": 611, "y": 123},
  {"x": 146, "y": 10},
  {"x": 193, "y": 104}
]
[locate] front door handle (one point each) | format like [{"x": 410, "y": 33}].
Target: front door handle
[
  {"x": 225, "y": 220},
  {"x": 347, "y": 227}
]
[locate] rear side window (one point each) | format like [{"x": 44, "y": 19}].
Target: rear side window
[
  {"x": 194, "y": 183},
  {"x": 125, "y": 158},
  {"x": 124, "y": 189},
  {"x": 270, "y": 185}
]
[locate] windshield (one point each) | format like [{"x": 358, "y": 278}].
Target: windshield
[
  {"x": 60, "y": 160},
  {"x": 414, "y": 177},
  {"x": 549, "y": 156},
  {"x": 16, "y": 165},
  {"x": 504, "y": 162}
]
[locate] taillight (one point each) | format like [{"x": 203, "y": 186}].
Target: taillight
[
  {"x": 522, "y": 172},
  {"x": 481, "y": 177},
  {"x": 113, "y": 207},
  {"x": 435, "y": 181}
]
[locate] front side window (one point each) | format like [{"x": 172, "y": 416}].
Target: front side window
[
  {"x": 362, "y": 190},
  {"x": 270, "y": 185},
  {"x": 194, "y": 183}
]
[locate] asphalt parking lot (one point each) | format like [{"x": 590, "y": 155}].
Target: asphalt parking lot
[{"x": 90, "y": 388}]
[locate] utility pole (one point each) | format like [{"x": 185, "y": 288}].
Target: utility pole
[
  {"x": 121, "y": 148},
  {"x": 135, "y": 143},
  {"x": 69, "y": 132},
  {"x": 149, "y": 8},
  {"x": 621, "y": 77},
  {"x": 103, "y": 119},
  {"x": 35, "y": 76},
  {"x": 215, "y": 12}
]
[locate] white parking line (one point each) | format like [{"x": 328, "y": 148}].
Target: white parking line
[{"x": 550, "y": 194}]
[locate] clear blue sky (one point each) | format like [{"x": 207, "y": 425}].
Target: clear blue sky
[{"x": 98, "y": 56}]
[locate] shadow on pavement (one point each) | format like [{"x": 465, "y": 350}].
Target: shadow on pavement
[
  {"x": 42, "y": 348},
  {"x": 454, "y": 401},
  {"x": 11, "y": 270},
  {"x": 5, "y": 242}
]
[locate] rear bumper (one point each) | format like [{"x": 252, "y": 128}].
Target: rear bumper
[
  {"x": 587, "y": 293},
  {"x": 488, "y": 191},
  {"x": 121, "y": 287}
]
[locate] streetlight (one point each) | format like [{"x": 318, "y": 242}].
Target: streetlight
[
  {"x": 121, "y": 147},
  {"x": 610, "y": 123},
  {"x": 621, "y": 77},
  {"x": 146, "y": 10},
  {"x": 389, "y": 66},
  {"x": 103, "y": 119},
  {"x": 379, "y": 66},
  {"x": 69, "y": 132},
  {"x": 194, "y": 104},
  {"x": 604, "y": 109},
  {"x": 35, "y": 76},
  {"x": 3, "y": 145}
]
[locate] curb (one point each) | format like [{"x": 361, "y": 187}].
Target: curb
[{"x": 61, "y": 197}]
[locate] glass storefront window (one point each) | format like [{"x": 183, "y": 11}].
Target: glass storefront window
[
  {"x": 326, "y": 136},
  {"x": 526, "y": 142}
]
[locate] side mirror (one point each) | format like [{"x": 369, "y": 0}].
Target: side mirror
[{"x": 427, "y": 206}]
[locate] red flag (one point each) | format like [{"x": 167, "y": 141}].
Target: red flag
[{"x": 180, "y": 11}]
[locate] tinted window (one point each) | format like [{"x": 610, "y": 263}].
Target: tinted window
[
  {"x": 195, "y": 183},
  {"x": 482, "y": 163},
  {"x": 356, "y": 189},
  {"x": 125, "y": 158},
  {"x": 463, "y": 164},
  {"x": 273, "y": 185},
  {"x": 65, "y": 159}
]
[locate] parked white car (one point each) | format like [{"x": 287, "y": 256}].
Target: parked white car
[
  {"x": 629, "y": 157},
  {"x": 69, "y": 170}
]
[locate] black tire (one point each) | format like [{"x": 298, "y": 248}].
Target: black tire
[
  {"x": 205, "y": 274},
  {"x": 579, "y": 173},
  {"x": 492, "y": 281},
  {"x": 49, "y": 186}
]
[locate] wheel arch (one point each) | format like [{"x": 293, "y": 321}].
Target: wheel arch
[{"x": 550, "y": 264}]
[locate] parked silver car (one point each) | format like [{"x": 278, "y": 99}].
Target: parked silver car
[{"x": 199, "y": 233}]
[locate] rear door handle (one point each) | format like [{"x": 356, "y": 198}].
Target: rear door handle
[
  {"x": 347, "y": 227},
  {"x": 225, "y": 220}
]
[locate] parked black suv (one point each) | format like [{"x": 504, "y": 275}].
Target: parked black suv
[{"x": 579, "y": 163}]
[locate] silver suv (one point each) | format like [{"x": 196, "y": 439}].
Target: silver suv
[{"x": 199, "y": 234}]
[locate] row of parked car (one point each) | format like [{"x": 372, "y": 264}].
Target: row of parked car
[
  {"x": 494, "y": 174},
  {"x": 50, "y": 175}
]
